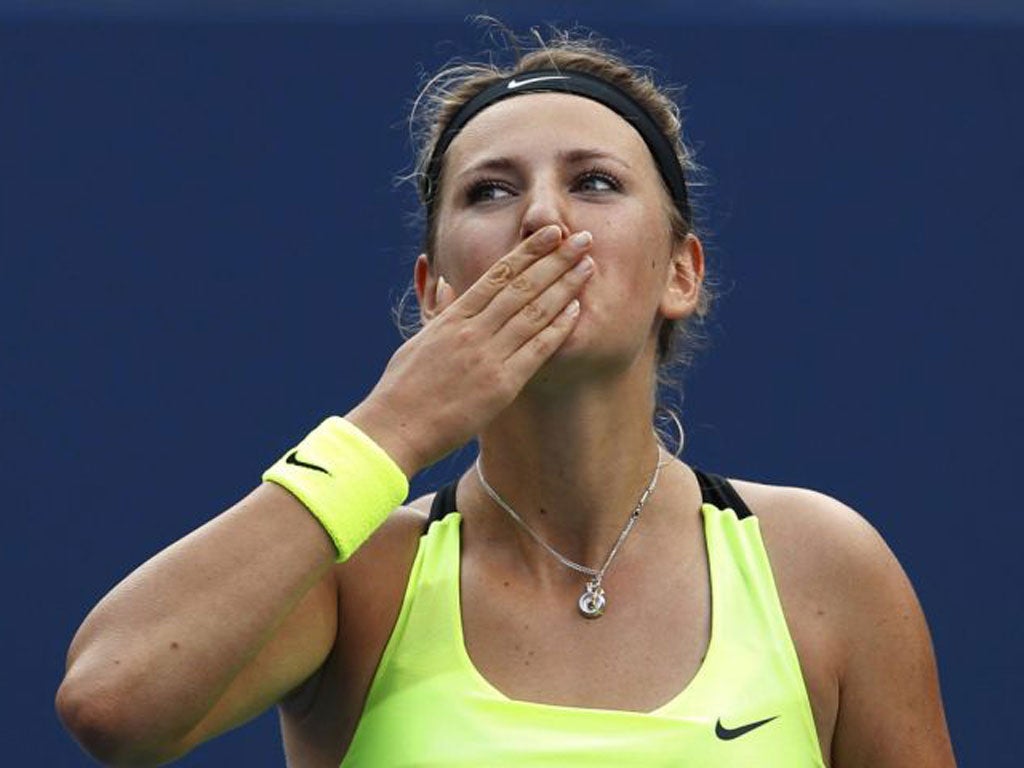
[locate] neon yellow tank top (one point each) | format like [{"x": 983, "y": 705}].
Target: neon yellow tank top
[{"x": 428, "y": 706}]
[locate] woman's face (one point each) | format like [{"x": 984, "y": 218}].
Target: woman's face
[{"x": 547, "y": 158}]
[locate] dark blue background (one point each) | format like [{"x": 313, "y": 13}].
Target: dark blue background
[{"x": 186, "y": 197}]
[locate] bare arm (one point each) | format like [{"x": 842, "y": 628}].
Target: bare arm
[
  {"x": 864, "y": 647},
  {"x": 155, "y": 656},
  {"x": 890, "y": 707},
  {"x": 230, "y": 619}
]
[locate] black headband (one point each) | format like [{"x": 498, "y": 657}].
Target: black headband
[{"x": 578, "y": 84}]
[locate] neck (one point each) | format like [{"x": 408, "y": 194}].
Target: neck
[{"x": 572, "y": 467}]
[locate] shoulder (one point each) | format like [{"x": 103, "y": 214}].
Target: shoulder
[
  {"x": 372, "y": 585},
  {"x": 820, "y": 539},
  {"x": 372, "y": 582},
  {"x": 826, "y": 555},
  {"x": 370, "y": 588},
  {"x": 790, "y": 509},
  {"x": 391, "y": 549},
  {"x": 805, "y": 528},
  {"x": 854, "y": 616}
]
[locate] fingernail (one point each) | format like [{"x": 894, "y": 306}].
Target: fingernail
[
  {"x": 549, "y": 235},
  {"x": 581, "y": 239},
  {"x": 584, "y": 266},
  {"x": 439, "y": 290},
  {"x": 573, "y": 308}
]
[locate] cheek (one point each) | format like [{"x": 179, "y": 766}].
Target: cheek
[
  {"x": 634, "y": 258},
  {"x": 465, "y": 250}
]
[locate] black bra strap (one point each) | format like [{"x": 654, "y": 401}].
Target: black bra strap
[
  {"x": 714, "y": 489},
  {"x": 444, "y": 502},
  {"x": 718, "y": 491}
]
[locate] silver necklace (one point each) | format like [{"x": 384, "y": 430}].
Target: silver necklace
[{"x": 593, "y": 601}]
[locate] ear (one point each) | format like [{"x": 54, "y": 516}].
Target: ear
[
  {"x": 685, "y": 274},
  {"x": 425, "y": 282}
]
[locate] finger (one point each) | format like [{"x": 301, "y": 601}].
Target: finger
[
  {"x": 522, "y": 303},
  {"x": 544, "y": 309},
  {"x": 538, "y": 348},
  {"x": 508, "y": 268},
  {"x": 541, "y": 311},
  {"x": 444, "y": 296}
]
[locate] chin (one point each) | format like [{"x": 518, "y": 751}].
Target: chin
[
  {"x": 578, "y": 359},
  {"x": 576, "y": 340},
  {"x": 591, "y": 352}
]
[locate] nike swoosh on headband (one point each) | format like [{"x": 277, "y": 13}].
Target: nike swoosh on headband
[{"x": 513, "y": 83}]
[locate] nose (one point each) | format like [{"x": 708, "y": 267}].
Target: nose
[{"x": 544, "y": 205}]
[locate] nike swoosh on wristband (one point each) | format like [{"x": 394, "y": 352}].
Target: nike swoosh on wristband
[
  {"x": 292, "y": 460},
  {"x": 513, "y": 83},
  {"x": 727, "y": 734}
]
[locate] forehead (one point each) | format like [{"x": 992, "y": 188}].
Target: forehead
[{"x": 525, "y": 125}]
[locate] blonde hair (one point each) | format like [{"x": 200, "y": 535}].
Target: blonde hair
[{"x": 449, "y": 89}]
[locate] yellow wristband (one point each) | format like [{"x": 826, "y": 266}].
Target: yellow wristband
[{"x": 347, "y": 481}]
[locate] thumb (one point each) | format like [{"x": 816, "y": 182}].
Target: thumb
[{"x": 445, "y": 295}]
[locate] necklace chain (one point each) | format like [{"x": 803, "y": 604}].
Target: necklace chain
[{"x": 592, "y": 602}]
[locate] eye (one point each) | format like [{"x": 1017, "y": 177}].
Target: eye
[
  {"x": 487, "y": 190},
  {"x": 596, "y": 180}
]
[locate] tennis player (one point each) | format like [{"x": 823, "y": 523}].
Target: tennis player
[{"x": 577, "y": 597}]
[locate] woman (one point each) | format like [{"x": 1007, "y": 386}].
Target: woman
[{"x": 581, "y": 596}]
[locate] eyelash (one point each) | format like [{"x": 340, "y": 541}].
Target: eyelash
[
  {"x": 475, "y": 191},
  {"x": 477, "y": 188},
  {"x": 597, "y": 173}
]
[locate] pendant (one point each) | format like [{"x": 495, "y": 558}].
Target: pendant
[{"x": 592, "y": 601}]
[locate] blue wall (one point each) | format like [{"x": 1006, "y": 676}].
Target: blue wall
[{"x": 183, "y": 199}]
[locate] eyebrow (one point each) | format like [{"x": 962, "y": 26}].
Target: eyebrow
[
  {"x": 584, "y": 155},
  {"x": 571, "y": 157}
]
